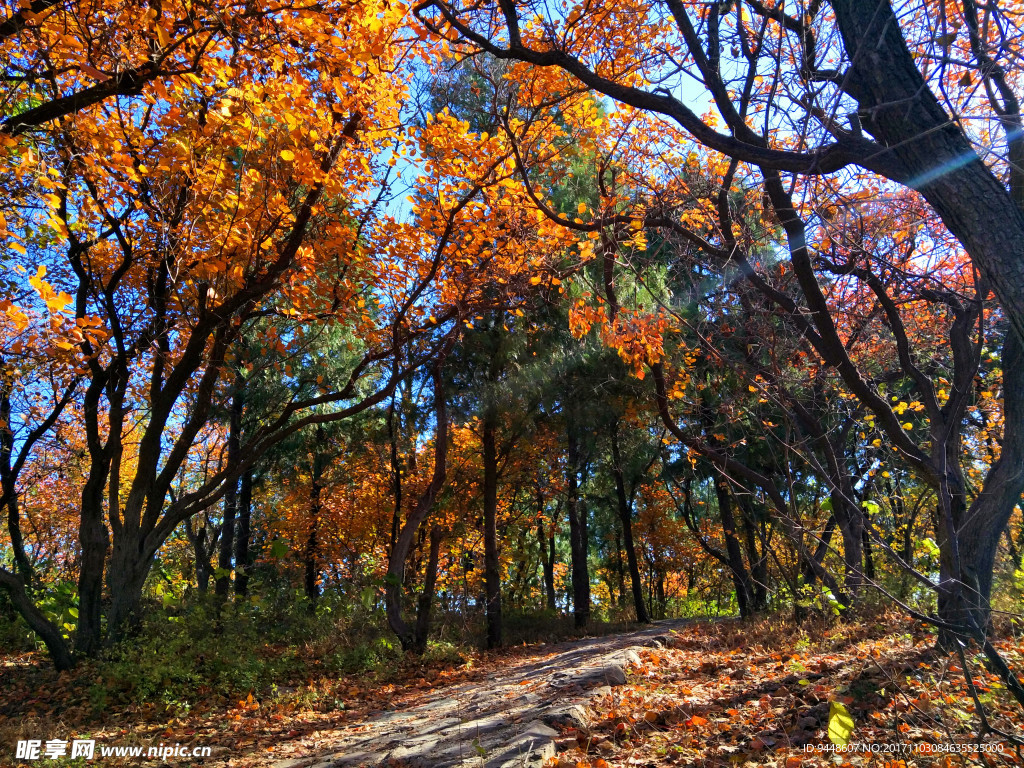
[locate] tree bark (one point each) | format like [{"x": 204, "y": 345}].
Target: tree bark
[
  {"x": 738, "y": 569},
  {"x": 425, "y": 602},
  {"x": 243, "y": 559},
  {"x": 48, "y": 632},
  {"x": 227, "y": 529},
  {"x": 492, "y": 565},
  {"x": 578, "y": 539},
  {"x": 626, "y": 519},
  {"x": 966, "y": 600},
  {"x": 900, "y": 110},
  {"x": 312, "y": 553},
  {"x": 395, "y": 578},
  {"x": 547, "y": 554}
]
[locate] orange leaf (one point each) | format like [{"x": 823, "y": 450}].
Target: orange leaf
[{"x": 91, "y": 71}]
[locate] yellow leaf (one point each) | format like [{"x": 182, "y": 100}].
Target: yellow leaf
[
  {"x": 287, "y": 155},
  {"x": 162, "y": 36},
  {"x": 16, "y": 316},
  {"x": 840, "y": 724},
  {"x": 57, "y": 302}
]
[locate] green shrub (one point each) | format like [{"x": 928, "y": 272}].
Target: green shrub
[{"x": 209, "y": 652}]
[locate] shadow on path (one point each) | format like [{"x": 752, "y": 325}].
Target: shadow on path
[{"x": 495, "y": 723}]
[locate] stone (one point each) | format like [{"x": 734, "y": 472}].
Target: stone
[
  {"x": 600, "y": 692},
  {"x": 626, "y": 658},
  {"x": 539, "y": 730},
  {"x": 613, "y": 675},
  {"x": 483, "y": 725},
  {"x": 296, "y": 762},
  {"x": 529, "y": 749},
  {"x": 357, "y": 759},
  {"x": 571, "y": 716}
]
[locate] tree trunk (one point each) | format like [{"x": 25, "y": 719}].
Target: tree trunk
[
  {"x": 626, "y": 519},
  {"x": 94, "y": 541},
  {"x": 227, "y": 529},
  {"x": 395, "y": 578},
  {"x": 660, "y": 598},
  {"x": 126, "y": 577},
  {"x": 396, "y": 473},
  {"x": 547, "y": 555},
  {"x": 7, "y": 486},
  {"x": 48, "y": 632},
  {"x": 312, "y": 554},
  {"x": 968, "y": 572},
  {"x": 578, "y": 540},
  {"x": 756, "y": 557},
  {"x": 737, "y": 568},
  {"x": 426, "y": 599},
  {"x": 869, "y": 560},
  {"x": 620, "y": 570},
  {"x": 198, "y": 539},
  {"x": 900, "y": 110},
  {"x": 492, "y": 566},
  {"x": 851, "y": 527},
  {"x": 243, "y": 559}
]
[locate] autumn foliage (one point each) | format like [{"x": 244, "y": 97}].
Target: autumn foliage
[{"x": 476, "y": 314}]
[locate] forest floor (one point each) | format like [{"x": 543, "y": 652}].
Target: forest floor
[{"x": 724, "y": 693}]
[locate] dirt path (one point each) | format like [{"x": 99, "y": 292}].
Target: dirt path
[{"x": 504, "y": 722}]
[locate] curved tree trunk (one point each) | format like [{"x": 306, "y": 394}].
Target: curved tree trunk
[
  {"x": 967, "y": 570},
  {"x": 48, "y": 632},
  {"x": 900, "y": 110},
  {"x": 7, "y": 486}
]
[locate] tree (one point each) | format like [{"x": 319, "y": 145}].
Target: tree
[
  {"x": 170, "y": 221},
  {"x": 845, "y": 57}
]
